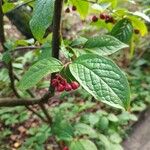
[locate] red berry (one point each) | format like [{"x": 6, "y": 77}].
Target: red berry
[
  {"x": 63, "y": 82},
  {"x": 74, "y": 8},
  {"x": 94, "y": 19},
  {"x": 74, "y": 85},
  {"x": 54, "y": 82},
  {"x": 68, "y": 87},
  {"x": 107, "y": 17},
  {"x": 111, "y": 19},
  {"x": 67, "y": 10},
  {"x": 136, "y": 31},
  {"x": 65, "y": 148},
  {"x": 59, "y": 77},
  {"x": 102, "y": 16},
  {"x": 60, "y": 88}
]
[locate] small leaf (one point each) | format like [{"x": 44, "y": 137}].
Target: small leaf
[
  {"x": 104, "y": 45},
  {"x": 82, "y": 144},
  {"x": 103, "y": 123},
  {"x": 6, "y": 57},
  {"x": 78, "y": 42},
  {"x": 8, "y": 7},
  {"x": 82, "y": 7},
  {"x": 84, "y": 129},
  {"x": 63, "y": 130},
  {"x": 139, "y": 24},
  {"x": 42, "y": 17},
  {"x": 123, "y": 30},
  {"x": 38, "y": 71},
  {"x": 103, "y": 79},
  {"x": 142, "y": 15}
]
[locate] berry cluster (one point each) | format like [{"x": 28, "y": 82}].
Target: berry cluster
[
  {"x": 65, "y": 148},
  {"x": 68, "y": 10},
  {"x": 61, "y": 84},
  {"x": 106, "y": 17}
]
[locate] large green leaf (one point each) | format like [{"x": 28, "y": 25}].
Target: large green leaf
[
  {"x": 104, "y": 45},
  {"x": 123, "y": 30},
  {"x": 40, "y": 69},
  {"x": 103, "y": 79},
  {"x": 82, "y": 144},
  {"x": 42, "y": 17}
]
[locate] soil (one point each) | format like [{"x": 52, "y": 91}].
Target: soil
[{"x": 140, "y": 136}]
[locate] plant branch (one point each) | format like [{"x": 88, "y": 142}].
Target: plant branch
[
  {"x": 56, "y": 39},
  {"x": 12, "y": 80},
  {"x": 25, "y": 48},
  {"x": 2, "y": 36},
  {"x": 49, "y": 119},
  {"x": 13, "y": 87},
  {"x": 10, "y": 102},
  {"x": 37, "y": 114}
]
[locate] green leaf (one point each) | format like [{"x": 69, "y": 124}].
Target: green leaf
[
  {"x": 139, "y": 24},
  {"x": 142, "y": 15},
  {"x": 112, "y": 117},
  {"x": 63, "y": 130},
  {"x": 8, "y": 7},
  {"x": 38, "y": 71},
  {"x": 42, "y": 17},
  {"x": 46, "y": 51},
  {"x": 123, "y": 30},
  {"x": 103, "y": 79},
  {"x": 115, "y": 138},
  {"x": 84, "y": 129},
  {"x": 82, "y": 7},
  {"x": 104, "y": 45},
  {"x": 82, "y": 144},
  {"x": 6, "y": 57},
  {"x": 78, "y": 42},
  {"x": 103, "y": 123}
]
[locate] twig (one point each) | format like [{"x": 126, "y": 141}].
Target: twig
[
  {"x": 56, "y": 39},
  {"x": 12, "y": 80},
  {"x": 34, "y": 112},
  {"x": 2, "y": 36},
  {"x": 49, "y": 119},
  {"x": 13, "y": 87},
  {"x": 10, "y": 102},
  {"x": 25, "y": 48}
]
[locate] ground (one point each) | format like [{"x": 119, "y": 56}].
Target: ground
[{"x": 140, "y": 137}]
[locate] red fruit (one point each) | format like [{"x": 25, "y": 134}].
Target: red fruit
[
  {"x": 65, "y": 148},
  {"x": 111, "y": 19},
  {"x": 94, "y": 19},
  {"x": 107, "y": 17},
  {"x": 67, "y": 10},
  {"x": 74, "y": 85},
  {"x": 136, "y": 31},
  {"x": 74, "y": 8},
  {"x": 102, "y": 16},
  {"x": 68, "y": 87},
  {"x": 60, "y": 88},
  {"x": 59, "y": 77},
  {"x": 63, "y": 82},
  {"x": 54, "y": 82}
]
